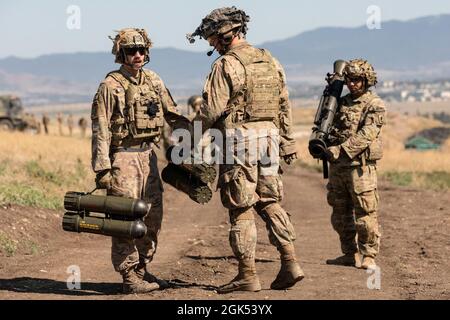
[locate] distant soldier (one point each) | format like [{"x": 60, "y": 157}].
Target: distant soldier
[
  {"x": 70, "y": 124},
  {"x": 354, "y": 149},
  {"x": 60, "y": 120},
  {"x": 45, "y": 122},
  {"x": 195, "y": 103},
  {"x": 36, "y": 123},
  {"x": 82, "y": 123}
]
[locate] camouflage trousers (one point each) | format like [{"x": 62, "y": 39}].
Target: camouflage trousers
[
  {"x": 248, "y": 188},
  {"x": 352, "y": 192},
  {"x": 135, "y": 175}
]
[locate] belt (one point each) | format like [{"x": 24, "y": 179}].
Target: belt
[
  {"x": 354, "y": 164},
  {"x": 120, "y": 149},
  {"x": 133, "y": 148}
]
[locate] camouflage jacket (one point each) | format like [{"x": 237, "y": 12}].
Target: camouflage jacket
[
  {"x": 228, "y": 77},
  {"x": 357, "y": 128},
  {"x": 110, "y": 100}
]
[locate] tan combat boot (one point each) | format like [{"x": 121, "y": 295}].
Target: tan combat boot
[
  {"x": 290, "y": 272},
  {"x": 132, "y": 283},
  {"x": 368, "y": 263},
  {"x": 349, "y": 259},
  {"x": 246, "y": 280},
  {"x": 141, "y": 271}
]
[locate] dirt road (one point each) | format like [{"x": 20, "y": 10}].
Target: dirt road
[{"x": 194, "y": 251}]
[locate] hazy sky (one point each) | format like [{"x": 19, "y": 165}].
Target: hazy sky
[{"x": 32, "y": 28}]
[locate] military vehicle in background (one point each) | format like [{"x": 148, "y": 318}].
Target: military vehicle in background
[{"x": 12, "y": 115}]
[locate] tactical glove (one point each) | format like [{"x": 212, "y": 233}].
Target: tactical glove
[
  {"x": 103, "y": 179},
  {"x": 290, "y": 158},
  {"x": 333, "y": 153}
]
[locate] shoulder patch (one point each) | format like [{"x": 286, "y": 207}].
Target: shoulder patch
[{"x": 377, "y": 105}]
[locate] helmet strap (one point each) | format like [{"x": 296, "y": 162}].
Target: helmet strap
[
  {"x": 366, "y": 84},
  {"x": 226, "y": 41}
]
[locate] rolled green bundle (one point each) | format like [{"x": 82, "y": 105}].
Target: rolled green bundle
[
  {"x": 206, "y": 173},
  {"x": 186, "y": 183}
]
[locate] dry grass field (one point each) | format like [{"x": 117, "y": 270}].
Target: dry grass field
[{"x": 37, "y": 170}]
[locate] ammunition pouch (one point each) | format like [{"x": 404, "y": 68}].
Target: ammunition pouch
[
  {"x": 143, "y": 116},
  {"x": 375, "y": 151},
  {"x": 233, "y": 192}
]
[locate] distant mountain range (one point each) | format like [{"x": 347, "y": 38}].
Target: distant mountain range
[{"x": 401, "y": 49}]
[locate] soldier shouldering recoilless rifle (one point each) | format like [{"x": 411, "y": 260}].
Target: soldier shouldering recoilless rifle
[{"x": 347, "y": 134}]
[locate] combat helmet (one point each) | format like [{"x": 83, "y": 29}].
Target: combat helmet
[
  {"x": 359, "y": 68},
  {"x": 223, "y": 22},
  {"x": 130, "y": 38}
]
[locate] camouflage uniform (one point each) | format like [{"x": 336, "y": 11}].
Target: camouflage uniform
[
  {"x": 166, "y": 137},
  {"x": 352, "y": 186},
  {"x": 70, "y": 124},
  {"x": 59, "y": 118},
  {"x": 194, "y": 104},
  {"x": 249, "y": 187},
  {"x": 132, "y": 161},
  {"x": 46, "y": 122},
  {"x": 123, "y": 134},
  {"x": 82, "y": 123}
]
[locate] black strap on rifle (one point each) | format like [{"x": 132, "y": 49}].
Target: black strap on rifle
[{"x": 325, "y": 168}]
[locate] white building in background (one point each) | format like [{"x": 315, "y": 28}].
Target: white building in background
[
  {"x": 445, "y": 95},
  {"x": 404, "y": 94},
  {"x": 388, "y": 84}
]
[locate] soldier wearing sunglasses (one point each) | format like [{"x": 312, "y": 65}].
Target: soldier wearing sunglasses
[{"x": 128, "y": 113}]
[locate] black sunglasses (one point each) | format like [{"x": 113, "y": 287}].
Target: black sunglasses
[
  {"x": 354, "y": 80},
  {"x": 132, "y": 51}
]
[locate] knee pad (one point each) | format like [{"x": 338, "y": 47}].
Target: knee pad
[
  {"x": 271, "y": 209},
  {"x": 278, "y": 223}
]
